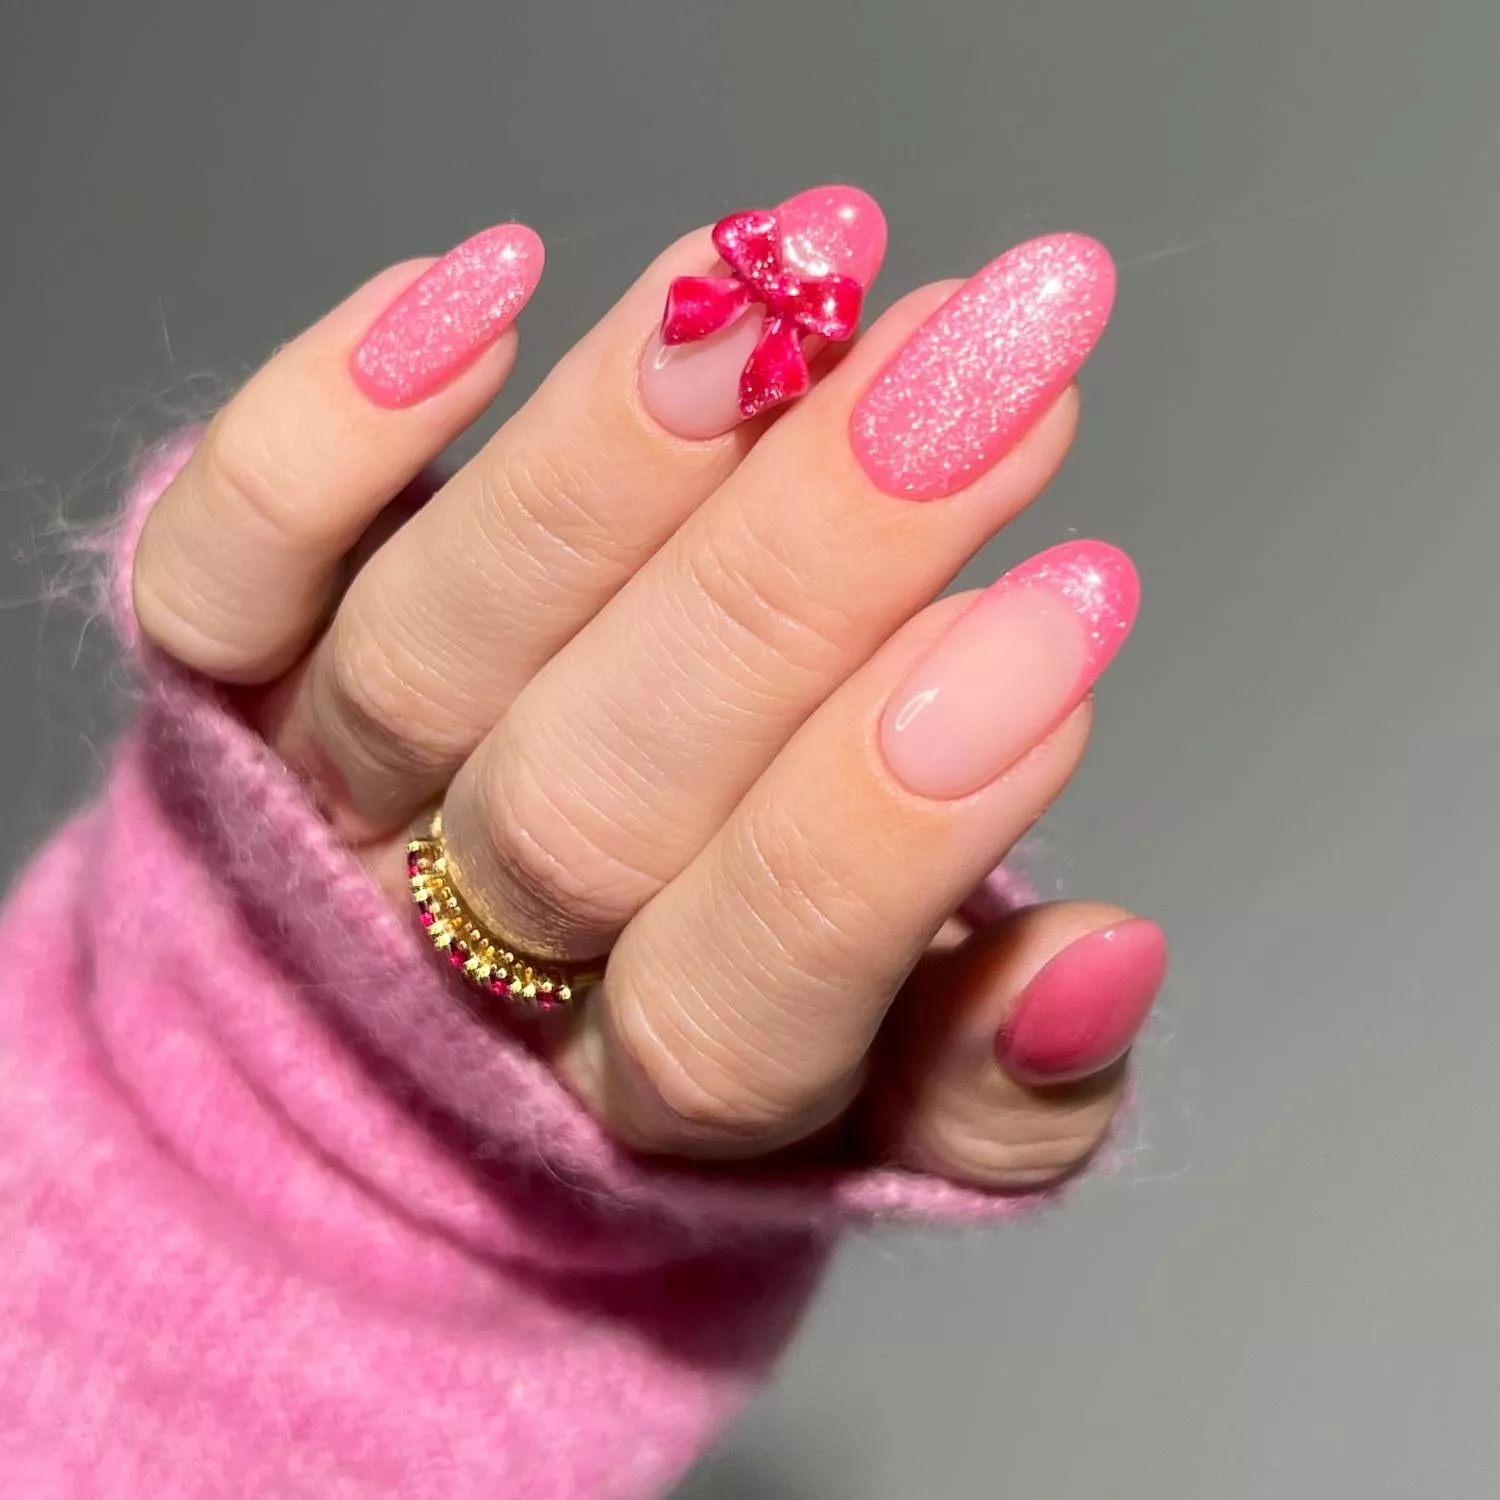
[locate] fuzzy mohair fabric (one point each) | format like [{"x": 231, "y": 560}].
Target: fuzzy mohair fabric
[{"x": 283, "y": 1215}]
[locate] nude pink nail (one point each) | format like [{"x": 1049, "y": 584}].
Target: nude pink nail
[
  {"x": 1010, "y": 669},
  {"x": 694, "y": 389},
  {"x": 1086, "y": 1006},
  {"x": 966, "y": 386},
  {"x": 448, "y": 316}
]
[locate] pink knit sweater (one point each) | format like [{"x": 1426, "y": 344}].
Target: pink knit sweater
[{"x": 282, "y": 1216}]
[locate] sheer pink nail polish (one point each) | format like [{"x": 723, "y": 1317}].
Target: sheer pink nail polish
[
  {"x": 963, "y": 390},
  {"x": 449, "y": 316},
  {"x": 1010, "y": 669},
  {"x": 693, "y": 389},
  {"x": 1085, "y": 1007}
]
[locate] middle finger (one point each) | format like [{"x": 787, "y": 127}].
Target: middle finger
[{"x": 624, "y": 755}]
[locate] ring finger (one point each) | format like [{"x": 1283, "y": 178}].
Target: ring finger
[{"x": 534, "y": 535}]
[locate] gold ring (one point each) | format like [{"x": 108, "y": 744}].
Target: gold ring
[{"x": 486, "y": 959}]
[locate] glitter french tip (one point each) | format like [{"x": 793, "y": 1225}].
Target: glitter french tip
[
  {"x": 969, "y": 383},
  {"x": 1010, "y": 669},
  {"x": 448, "y": 317},
  {"x": 716, "y": 360}
]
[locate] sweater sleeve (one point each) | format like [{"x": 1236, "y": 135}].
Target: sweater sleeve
[{"x": 284, "y": 1214}]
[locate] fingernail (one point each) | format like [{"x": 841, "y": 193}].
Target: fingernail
[
  {"x": 697, "y": 389},
  {"x": 1010, "y": 670},
  {"x": 448, "y": 316},
  {"x": 963, "y": 390},
  {"x": 1085, "y": 1007}
]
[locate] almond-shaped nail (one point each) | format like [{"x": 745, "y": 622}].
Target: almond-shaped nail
[
  {"x": 736, "y": 340},
  {"x": 1010, "y": 669},
  {"x": 1085, "y": 1007},
  {"x": 452, "y": 313},
  {"x": 965, "y": 387}
]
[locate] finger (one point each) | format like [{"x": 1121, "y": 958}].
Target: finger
[
  {"x": 678, "y": 696},
  {"x": 241, "y": 556},
  {"x": 1002, "y": 1063},
  {"x": 440, "y": 631},
  {"x": 738, "y": 1007}
]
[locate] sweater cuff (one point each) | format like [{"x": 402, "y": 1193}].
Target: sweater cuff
[{"x": 339, "y": 947}]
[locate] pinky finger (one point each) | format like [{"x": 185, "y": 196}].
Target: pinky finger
[
  {"x": 243, "y": 554},
  {"x": 1003, "y": 1062}
]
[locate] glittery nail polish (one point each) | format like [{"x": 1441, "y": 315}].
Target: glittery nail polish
[
  {"x": 449, "y": 316},
  {"x": 964, "y": 389},
  {"x": 1010, "y": 669},
  {"x": 1085, "y": 1007},
  {"x": 698, "y": 388}
]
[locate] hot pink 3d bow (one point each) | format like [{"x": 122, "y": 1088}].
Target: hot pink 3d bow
[{"x": 796, "y": 306}]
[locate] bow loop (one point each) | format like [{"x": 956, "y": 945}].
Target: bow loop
[
  {"x": 698, "y": 306},
  {"x": 750, "y": 243},
  {"x": 776, "y": 371},
  {"x": 795, "y": 307},
  {"x": 828, "y": 306}
]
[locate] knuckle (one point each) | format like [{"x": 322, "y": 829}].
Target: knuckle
[
  {"x": 813, "y": 920},
  {"x": 560, "y": 881},
  {"x": 182, "y": 608},
  {"x": 380, "y": 698},
  {"x": 551, "y": 504},
  {"x": 680, "y": 1099},
  {"x": 756, "y": 590},
  {"x": 241, "y": 472},
  {"x": 1028, "y": 1148},
  {"x": 181, "y": 627},
  {"x": 159, "y": 607}
]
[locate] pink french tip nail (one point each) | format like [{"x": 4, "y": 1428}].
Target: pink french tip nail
[
  {"x": 1010, "y": 669},
  {"x": 966, "y": 386},
  {"x": 452, "y": 313},
  {"x": 734, "y": 342},
  {"x": 1085, "y": 1006}
]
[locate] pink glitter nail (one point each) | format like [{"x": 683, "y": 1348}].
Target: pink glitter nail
[
  {"x": 963, "y": 390},
  {"x": 450, "y": 315}
]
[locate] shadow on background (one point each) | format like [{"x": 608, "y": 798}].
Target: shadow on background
[{"x": 768, "y": 1471}]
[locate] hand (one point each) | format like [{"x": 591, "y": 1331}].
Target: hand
[{"x": 676, "y": 681}]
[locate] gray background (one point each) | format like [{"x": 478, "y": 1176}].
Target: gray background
[{"x": 1292, "y": 423}]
